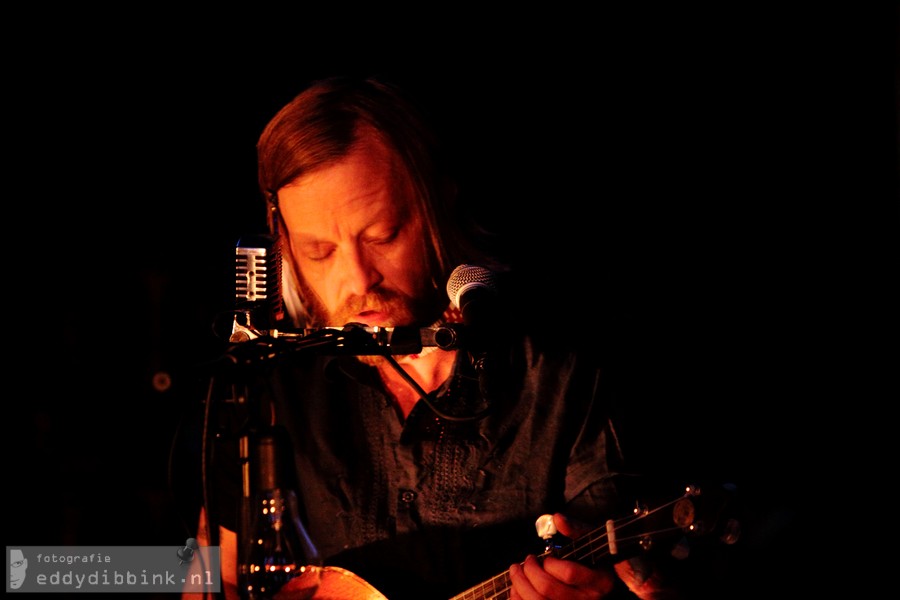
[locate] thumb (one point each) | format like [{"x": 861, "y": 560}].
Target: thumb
[{"x": 571, "y": 528}]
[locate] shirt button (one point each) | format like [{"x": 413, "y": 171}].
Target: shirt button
[{"x": 407, "y": 496}]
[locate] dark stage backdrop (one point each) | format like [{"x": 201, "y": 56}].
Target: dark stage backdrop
[{"x": 661, "y": 185}]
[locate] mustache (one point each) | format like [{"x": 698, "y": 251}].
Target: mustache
[
  {"x": 378, "y": 300},
  {"x": 382, "y": 300}
]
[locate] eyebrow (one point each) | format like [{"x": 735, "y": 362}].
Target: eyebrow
[{"x": 397, "y": 216}]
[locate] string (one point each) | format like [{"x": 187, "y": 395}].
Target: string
[{"x": 591, "y": 546}]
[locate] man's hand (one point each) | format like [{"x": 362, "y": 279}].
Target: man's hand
[
  {"x": 555, "y": 578},
  {"x": 558, "y": 579}
]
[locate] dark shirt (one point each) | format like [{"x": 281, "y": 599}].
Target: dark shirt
[{"x": 428, "y": 507}]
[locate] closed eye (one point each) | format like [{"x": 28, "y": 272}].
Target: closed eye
[
  {"x": 384, "y": 237},
  {"x": 317, "y": 251}
]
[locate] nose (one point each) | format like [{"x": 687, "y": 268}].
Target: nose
[{"x": 360, "y": 271}]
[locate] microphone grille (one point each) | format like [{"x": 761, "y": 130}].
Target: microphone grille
[
  {"x": 258, "y": 269},
  {"x": 257, "y": 284},
  {"x": 467, "y": 277}
]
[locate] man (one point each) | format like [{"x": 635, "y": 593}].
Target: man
[
  {"x": 424, "y": 473},
  {"x": 18, "y": 565}
]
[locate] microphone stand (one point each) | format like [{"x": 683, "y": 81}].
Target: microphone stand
[
  {"x": 275, "y": 554},
  {"x": 251, "y": 350}
]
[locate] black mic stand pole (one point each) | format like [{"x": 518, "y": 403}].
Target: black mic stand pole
[{"x": 274, "y": 550}]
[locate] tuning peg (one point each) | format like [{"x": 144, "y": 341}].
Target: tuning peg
[{"x": 545, "y": 526}]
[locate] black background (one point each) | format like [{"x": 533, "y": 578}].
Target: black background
[{"x": 717, "y": 190}]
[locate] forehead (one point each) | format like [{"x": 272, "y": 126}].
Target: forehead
[{"x": 369, "y": 176}]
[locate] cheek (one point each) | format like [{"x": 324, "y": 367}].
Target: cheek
[
  {"x": 315, "y": 278},
  {"x": 408, "y": 271}
]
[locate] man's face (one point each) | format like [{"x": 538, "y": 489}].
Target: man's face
[
  {"x": 354, "y": 240},
  {"x": 17, "y": 566}
]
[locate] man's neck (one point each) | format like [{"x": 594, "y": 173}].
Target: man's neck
[{"x": 429, "y": 370}]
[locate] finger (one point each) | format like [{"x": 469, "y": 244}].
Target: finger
[
  {"x": 541, "y": 584},
  {"x": 520, "y": 586},
  {"x": 570, "y": 527},
  {"x": 531, "y": 582},
  {"x": 639, "y": 577},
  {"x": 591, "y": 582}
]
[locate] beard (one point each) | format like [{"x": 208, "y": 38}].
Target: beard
[
  {"x": 399, "y": 308},
  {"x": 402, "y": 310}
]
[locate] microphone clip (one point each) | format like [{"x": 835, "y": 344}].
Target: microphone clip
[{"x": 243, "y": 328}]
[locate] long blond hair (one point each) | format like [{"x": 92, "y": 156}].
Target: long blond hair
[{"x": 320, "y": 125}]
